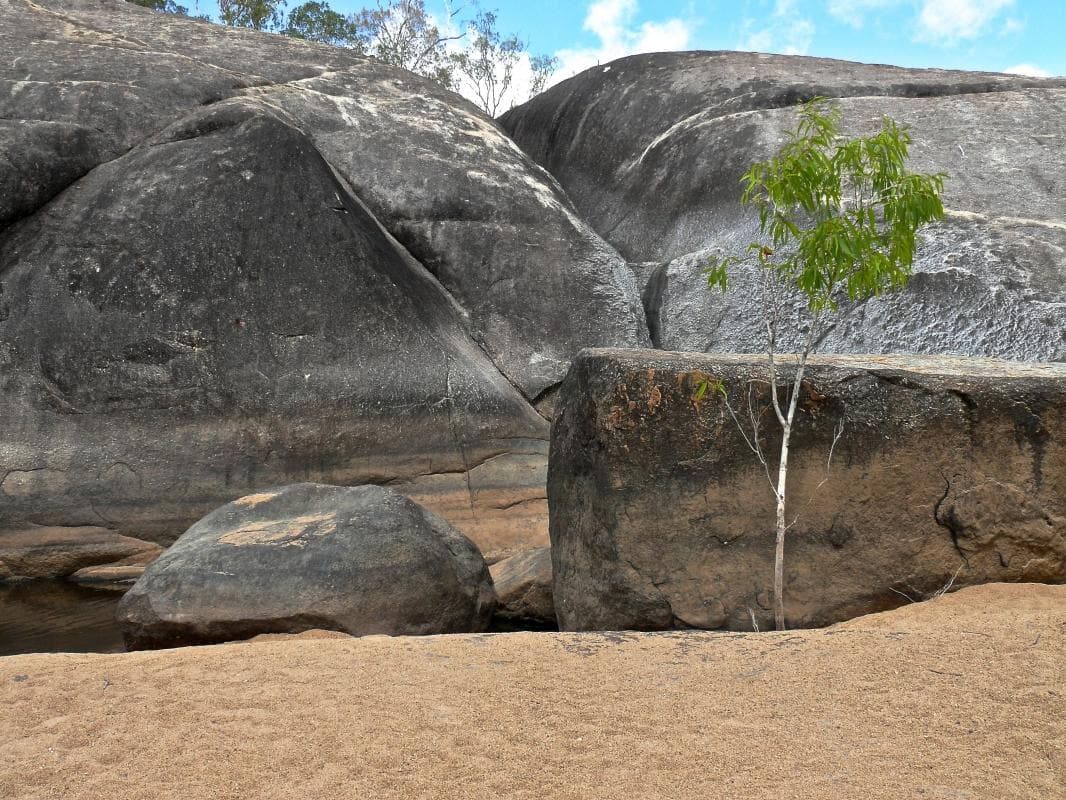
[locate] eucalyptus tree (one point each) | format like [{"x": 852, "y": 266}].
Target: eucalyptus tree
[
  {"x": 486, "y": 65},
  {"x": 403, "y": 33},
  {"x": 317, "y": 22},
  {"x": 838, "y": 220}
]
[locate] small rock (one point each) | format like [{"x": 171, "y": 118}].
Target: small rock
[
  {"x": 58, "y": 552},
  {"x": 119, "y": 573},
  {"x": 524, "y": 588},
  {"x": 361, "y": 560}
]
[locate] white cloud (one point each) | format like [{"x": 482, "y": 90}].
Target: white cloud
[
  {"x": 854, "y": 12},
  {"x": 612, "y": 23},
  {"x": 1011, "y": 26},
  {"x": 785, "y": 32},
  {"x": 1032, "y": 70},
  {"x": 948, "y": 21}
]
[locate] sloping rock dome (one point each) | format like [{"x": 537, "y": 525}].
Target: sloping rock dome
[{"x": 230, "y": 260}]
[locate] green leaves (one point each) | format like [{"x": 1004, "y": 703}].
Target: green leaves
[
  {"x": 259, "y": 15},
  {"x": 837, "y": 216},
  {"x": 717, "y": 272},
  {"x": 716, "y": 388},
  {"x": 317, "y": 22}
]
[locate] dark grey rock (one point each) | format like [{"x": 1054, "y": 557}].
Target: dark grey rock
[
  {"x": 684, "y": 127},
  {"x": 949, "y": 472},
  {"x": 361, "y": 560},
  {"x": 524, "y": 589},
  {"x": 536, "y": 282},
  {"x": 239, "y": 320},
  {"x": 39, "y": 160},
  {"x": 234, "y": 260}
]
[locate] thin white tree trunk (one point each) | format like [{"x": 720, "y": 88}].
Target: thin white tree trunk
[
  {"x": 779, "y": 551},
  {"x": 782, "y": 470}
]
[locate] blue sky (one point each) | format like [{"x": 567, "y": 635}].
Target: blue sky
[{"x": 998, "y": 35}]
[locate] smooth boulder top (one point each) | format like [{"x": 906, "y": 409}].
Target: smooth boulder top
[
  {"x": 361, "y": 560},
  {"x": 675, "y": 131},
  {"x": 652, "y": 147},
  {"x": 496, "y": 230}
]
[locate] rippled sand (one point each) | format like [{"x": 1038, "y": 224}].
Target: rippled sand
[{"x": 962, "y": 697}]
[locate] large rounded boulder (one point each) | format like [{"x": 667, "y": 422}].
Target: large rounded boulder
[
  {"x": 363, "y": 560},
  {"x": 231, "y": 260},
  {"x": 652, "y": 147}
]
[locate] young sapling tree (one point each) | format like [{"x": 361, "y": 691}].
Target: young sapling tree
[{"x": 838, "y": 222}]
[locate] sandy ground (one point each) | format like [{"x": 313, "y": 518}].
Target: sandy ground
[{"x": 962, "y": 697}]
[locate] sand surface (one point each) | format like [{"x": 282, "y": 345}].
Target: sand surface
[{"x": 962, "y": 697}]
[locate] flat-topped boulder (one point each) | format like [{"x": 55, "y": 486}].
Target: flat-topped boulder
[
  {"x": 684, "y": 127},
  {"x": 49, "y": 552},
  {"x": 360, "y": 560},
  {"x": 948, "y": 472}
]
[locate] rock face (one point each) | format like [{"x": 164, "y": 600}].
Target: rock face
[
  {"x": 651, "y": 149},
  {"x": 524, "y": 589},
  {"x": 948, "y": 472},
  {"x": 115, "y": 575},
  {"x": 361, "y": 560},
  {"x": 231, "y": 260},
  {"x": 62, "y": 552}
]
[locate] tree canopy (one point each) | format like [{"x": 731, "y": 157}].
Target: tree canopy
[
  {"x": 472, "y": 57},
  {"x": 260, "y": 15},
  {"x": 487, "y": 64},
  {"x": 838, "y": 220},
  {"x": 317, "y": 22},
  {"x": 837, "y": 217}
]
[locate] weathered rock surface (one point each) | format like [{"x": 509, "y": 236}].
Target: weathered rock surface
[
  {"x": 948, "y": 472},
  {"x": 233, "y": 358},
  {"x": 651, "y": 149},
  {"x": 361, "y": 560},
  {"x": 494, "y": 228},
  {"x": 44, "y": 552},
  {"x": 524, "y": 589},
  {"x": 234, "y": 260},
  {"x": 117, "y": 575}
]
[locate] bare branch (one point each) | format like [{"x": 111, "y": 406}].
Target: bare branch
[
  {"x": 752, "y": 443},
  {"x": 838, "y": 432}
]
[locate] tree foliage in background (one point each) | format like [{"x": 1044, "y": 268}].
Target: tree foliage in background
[
  {"x": 838, "y": 221},
  {"x": 487, "y": 63},
  {"x": 260, "y": 15},
  {"x": 317, "y": 22},
  {"x": 401, "y": 33},
  {"x": 169, "y": 6}
]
